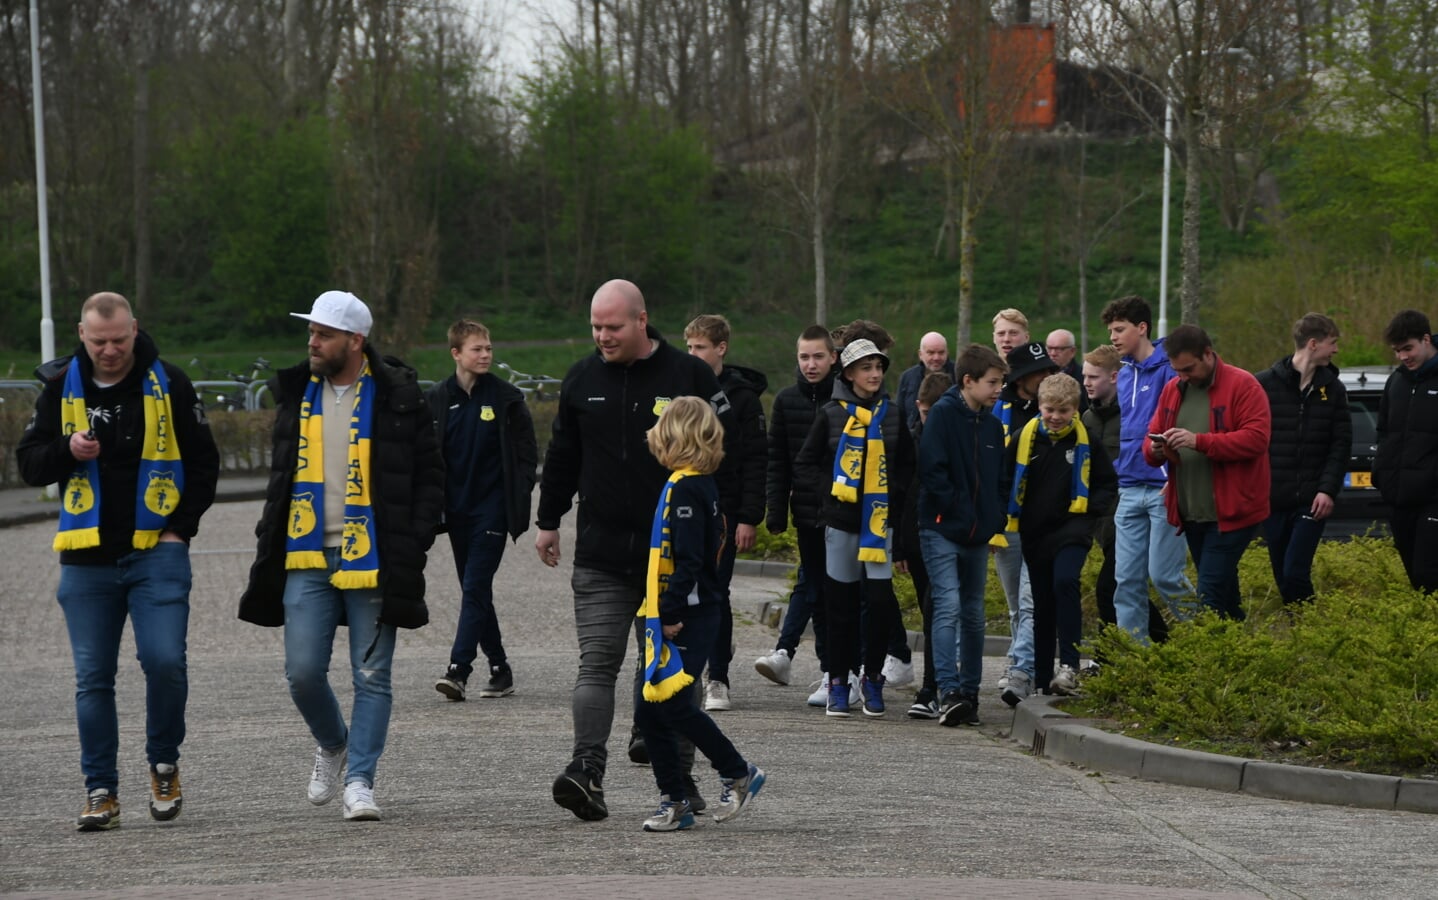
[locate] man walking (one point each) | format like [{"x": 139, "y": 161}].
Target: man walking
[
  {"x": 126, "y": 438},
  {"x": 355, "y": 492},
  {"x": 480, "y": 420},
  {"x": 607, "y": 402},
  {"x": 1405, "y": 469},
  {"x": 1312, "y": 440},
  {"x": 1212, "y": 427},
  {"x": 933, "y": 357}
]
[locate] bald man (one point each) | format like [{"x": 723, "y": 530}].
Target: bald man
[
  {"x": 607, "y": 402},
  {"x": 933, "y": 357}
]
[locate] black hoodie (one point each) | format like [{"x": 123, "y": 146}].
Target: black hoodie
[{"x": 741, "y": 475}]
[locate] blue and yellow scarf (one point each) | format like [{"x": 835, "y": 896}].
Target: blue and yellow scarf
[
  {"x": 860, "y": 464},
  {"x": 158, "y": 484},
  {"x": 664, "y": 674},
  {"x": 305, "y": 544},
  {"x": 1078, "y": 492}
]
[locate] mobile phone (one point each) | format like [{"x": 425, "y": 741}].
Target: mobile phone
[
  {"x": 1158, "y": 438},
  {"x": 89, "y": 435}
]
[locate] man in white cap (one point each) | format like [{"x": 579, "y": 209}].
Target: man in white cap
[{"x": 349, "y": 516}]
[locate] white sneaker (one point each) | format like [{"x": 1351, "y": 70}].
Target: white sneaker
[
  {"x": 325, "y": 780},
  {"x": 716, "y": 697},
  {"x": 897, "y": 673},
  {"x": 359, "y": 803},
  {"x": 820, "y": 697},
  {"x": 856, "y": 696},
  {"x": 774, "y": 667},
  {"x": 1065, "y": 681}
]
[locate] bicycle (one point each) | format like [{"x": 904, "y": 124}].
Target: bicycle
[
  {"x": 539, "y": 387},
  {"x": 228, "y": 390}
]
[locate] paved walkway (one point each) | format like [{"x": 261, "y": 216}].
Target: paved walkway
[{"x": 854, "y": 808}]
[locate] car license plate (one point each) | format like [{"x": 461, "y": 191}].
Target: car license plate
[{"x": 1360, "y": 479}]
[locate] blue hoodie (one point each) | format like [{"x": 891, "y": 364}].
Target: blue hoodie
[{"x": 1139, "y": 384}]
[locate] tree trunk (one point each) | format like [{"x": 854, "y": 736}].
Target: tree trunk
[
  {"x": 968, "y": 241},
  {"x": 141, "y": 141},
  {"x": 819, "y": 223},
  {"x": 1193, "y": 174}
]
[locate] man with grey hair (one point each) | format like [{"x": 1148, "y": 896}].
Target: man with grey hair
[{"x": 607, "y": 402}]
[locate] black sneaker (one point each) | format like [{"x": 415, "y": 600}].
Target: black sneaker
[
  {"x": 958, "y": 709},
  {"x": 691, "y": 794},
  {"x": 452, "y": 683},
  {"x": 638, "y": 752},
  {"x": 578, "y": 790},
  {"x": 501, "y": 682},
  {"x": 925, "y": 706}
]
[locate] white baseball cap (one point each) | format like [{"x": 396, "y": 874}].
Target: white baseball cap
[{"x": 340, "y": 310}]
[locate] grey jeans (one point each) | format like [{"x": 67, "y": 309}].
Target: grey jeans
[{"x": 605, "y": 608}]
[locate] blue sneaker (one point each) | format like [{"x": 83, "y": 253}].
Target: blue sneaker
[
  {"x": 838, "y": 699},
  {"x": 738, "y": 792},
  {"x": 873, "y": 696},
  {"x": 670, "y": 816}
]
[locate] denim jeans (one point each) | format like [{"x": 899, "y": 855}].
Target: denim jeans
[
  {"x": 956, "y": 584},
  {"x": 811, "y": 579},
  {"x": 314, "y": 609},
  {"x": 1014, "y": 577},
  {"x": 1216, "y": 555},
  {"x": 1292, "y": 537},
  {"x": 1058, "y": 607},
  {"x": 605, "y": 607},
  {"x": 152, "y": 587},
  {"x": 663, "y": 723},
  {"x": 723, "y": 653},
  {"x": 1147, "y": 546},
  {"x": 477, "y": 553}
]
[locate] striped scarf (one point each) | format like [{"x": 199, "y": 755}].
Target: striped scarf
[
  {"x": 305, "y": 543},
  {"x": 664, "y": 674},
  {"x": 1078, "y": 491},
  {"x": 158, "y": 484},
  {"x": 859, "y": 460}
]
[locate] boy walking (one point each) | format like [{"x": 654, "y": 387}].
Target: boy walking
[{"x": 960, "y": 509}]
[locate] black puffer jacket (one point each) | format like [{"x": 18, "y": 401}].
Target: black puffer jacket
[
  {"x": 741, "y": 475},
  {"x": 407, "y": 474},
  {"x": 789, "y": 421},
  {"x": 598, "y": 451},
  {"x": 1405, "y": 469},
  {"x": 815, "y": 462},
  {"x": 1312, "y": 434}
]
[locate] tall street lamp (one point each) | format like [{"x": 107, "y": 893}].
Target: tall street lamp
[{"x": 1167, "y": 176}]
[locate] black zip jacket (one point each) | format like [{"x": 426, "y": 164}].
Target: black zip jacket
[
  {"x": 961, "y": 460},
  {"x": 741, "y": 475},
  {"x": 1405, "y": 469},
  {"x": 815, "y": 462},
  {"x": 1045, "y": 521},
  {"x": 598, "y": 451},
  {"x": 117, "y": 416},
  {"x": 789, "y": 421},
  {"x": 519, "y": 452},
  {"x": 406, "y": 489},
  {"x": 696, "y": 539},
  {"x": 1312, "y": 435}
]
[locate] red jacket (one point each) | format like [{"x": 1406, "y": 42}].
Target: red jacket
[{"x": 1236, "y": 445}]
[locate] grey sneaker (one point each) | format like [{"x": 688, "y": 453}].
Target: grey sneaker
[
  {"x": 1064, "y": 682},
  {"x": 670, "y": 816},
  {"x": 1019, "y": 688},
  {"x": 737, "y": 793},
  {"x": 325, "y": 780}
]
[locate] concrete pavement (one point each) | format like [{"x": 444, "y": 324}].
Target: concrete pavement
[{"x": 854, "y": 808}]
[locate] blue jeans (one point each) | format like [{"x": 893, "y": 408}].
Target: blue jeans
[
  {"x": 1292, "y": 537},
  {"x": 1147, "y": 546},
  {"x": 956, "y": 583},
  {"x": 605, "y": 605},
  {"x": 663, "y": 723},
  {"x": 152, "y": 587},
  {"x": 314, "y": 609},
  {"x": 1014, "y": 577},
  {"x": 1216, "y": 555},
  {"x": 477, "y": 553}
]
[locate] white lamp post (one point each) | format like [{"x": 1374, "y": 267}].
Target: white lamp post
[
  {"x": 47, "y": 323},
  {"x": 1167, "y": 175}
]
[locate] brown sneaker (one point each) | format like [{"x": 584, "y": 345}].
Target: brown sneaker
[
  {"x": 101, "y": 812},
  {"x": 164, "y": 792}
]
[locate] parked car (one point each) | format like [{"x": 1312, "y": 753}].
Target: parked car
[{"x": 1359, "y": 509}]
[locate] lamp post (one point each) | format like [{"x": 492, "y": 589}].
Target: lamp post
[
  {"x": 1167, "y": 176},
  {"x": 47, "y": 322}
]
